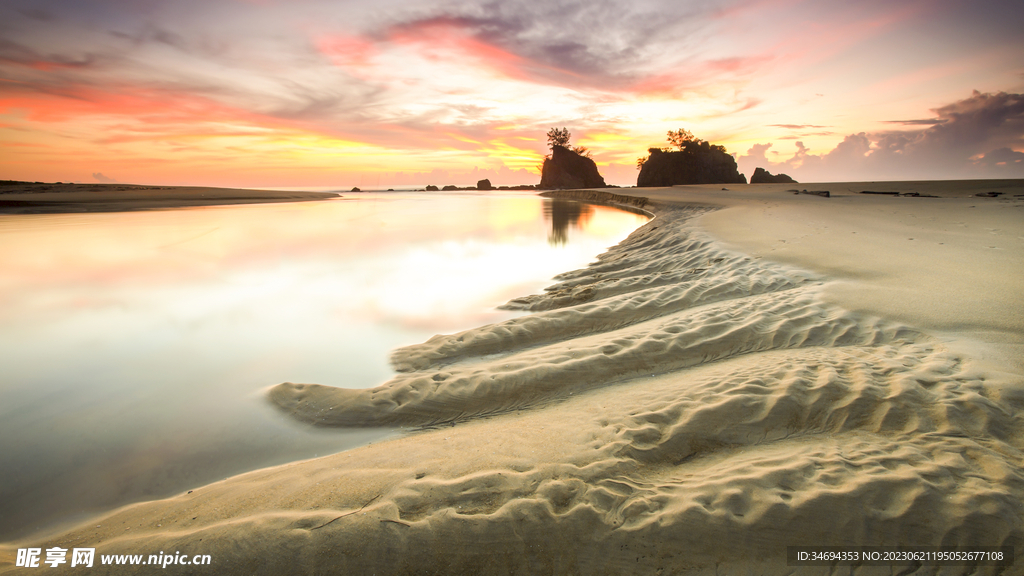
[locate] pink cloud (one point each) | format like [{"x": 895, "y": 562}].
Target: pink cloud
[
  {"x": 141, "y": 105},
  {"x": 439, "y": 38},
  {"x": 347, "y": 51},
  {"x": 694, "y": 76}
]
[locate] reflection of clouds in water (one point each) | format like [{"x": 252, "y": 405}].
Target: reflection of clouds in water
[{"x": 562, "y": 214}]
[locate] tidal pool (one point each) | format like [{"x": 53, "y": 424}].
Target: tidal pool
[{"x": 136, "y": 347}]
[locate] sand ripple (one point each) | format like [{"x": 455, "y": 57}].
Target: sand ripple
[
  {"x": 687, "y": 304},
  {"x": 746, "y": 410},
  {"x": 674, "y": 408}
]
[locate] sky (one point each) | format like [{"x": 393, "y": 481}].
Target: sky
[{"x": 337, "y": 93}]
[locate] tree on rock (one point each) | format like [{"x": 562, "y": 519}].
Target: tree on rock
[
  {"x": 568, "y": 167},
  {"x": 558, "y": 137},
  {"x": 695, "y": 162},
  {"x": 680, "y": 138}
]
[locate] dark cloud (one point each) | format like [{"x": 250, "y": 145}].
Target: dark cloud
[
  {"x": 194, "y": 43},
  {"x": 16, "y": 53},
  {"x": 598, "y": 44},
  {"x": 977, "y": 137},
  {"x": 1003, "y": 163},
  {"x": 154, "y": 34},
  {"x": 976, "y": 122},
  {"x": 920, "y": 122}
]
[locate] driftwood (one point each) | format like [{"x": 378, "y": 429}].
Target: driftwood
[{"x": 822, "y": 193}]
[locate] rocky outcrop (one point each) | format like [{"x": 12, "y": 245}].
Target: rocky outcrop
[
  {"x": 484, "y": 184},
  {"x": 431, "y": 188},
  {"x": 696, "y": 163},
  {"x": 762, "y": 176},
  {"x": 567, "y": 169}
]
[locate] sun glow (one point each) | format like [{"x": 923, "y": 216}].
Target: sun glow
[{"x": 321, "y": 94}]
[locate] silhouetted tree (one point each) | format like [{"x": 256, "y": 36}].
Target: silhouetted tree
[
  {"x": 582, "y": 151},
  {"x": 680, "y": 138},
  {"x": 558, "y": 137},
  {"x": 683, "y": 140}
]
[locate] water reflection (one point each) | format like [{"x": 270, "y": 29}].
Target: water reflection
[
  {"x": 562, "y": 214},
  {"x": 135, "y": 346}
]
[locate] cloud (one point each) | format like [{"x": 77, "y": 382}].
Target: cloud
[
  {"x": 978, "y": 137},
  {"x": 101, "y": 178},
  {"x": 551, "y": 42},
  {"x": 599, "y": 44},
  {"x": 797, "y": 126},
  {"x": 443, "y": 83},
  {"x": 1003, "y": 163},
  {"x": 919, "y": 122},
  {"x": 19, "y": 54}
]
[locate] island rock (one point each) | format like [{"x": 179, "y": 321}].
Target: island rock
[
  {"x": 567, "y": 169},
  {"x": 762, "y": 176},
  {"x": 484, "y": 184},
  {"x": 697, "y": 163}
]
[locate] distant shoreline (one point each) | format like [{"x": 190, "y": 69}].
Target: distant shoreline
[
  {"x": 68, "y": 198},
  {"x": 64, "y": 198}
]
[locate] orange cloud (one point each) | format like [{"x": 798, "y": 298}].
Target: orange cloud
[{"x": 501, "y": 150}]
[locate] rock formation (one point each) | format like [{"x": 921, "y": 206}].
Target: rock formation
[
  {"x": 762, "y": 176},
  {"x": 484, "y": 184},
  {"x": 567, "y": 169},
  {"x": 697, "y": 163}
]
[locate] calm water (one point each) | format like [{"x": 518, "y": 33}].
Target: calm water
[{"x": 135, "y": 347}]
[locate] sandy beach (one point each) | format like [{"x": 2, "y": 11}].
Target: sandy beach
[
  {"x": 44, "y": 198},
  {"x": 753, "y": 369}
]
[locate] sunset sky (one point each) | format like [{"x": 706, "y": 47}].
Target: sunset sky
[{"x": 277, "y": 93}]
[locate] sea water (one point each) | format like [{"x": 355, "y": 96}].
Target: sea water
[{"x": 136, "y": 347}]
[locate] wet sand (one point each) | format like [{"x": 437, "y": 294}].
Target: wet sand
[
  {"x": 42, "y": 198},
  {"x": 753, "y": 369}
]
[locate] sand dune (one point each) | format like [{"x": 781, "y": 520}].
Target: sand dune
[{"x": 678, "y": 407}]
